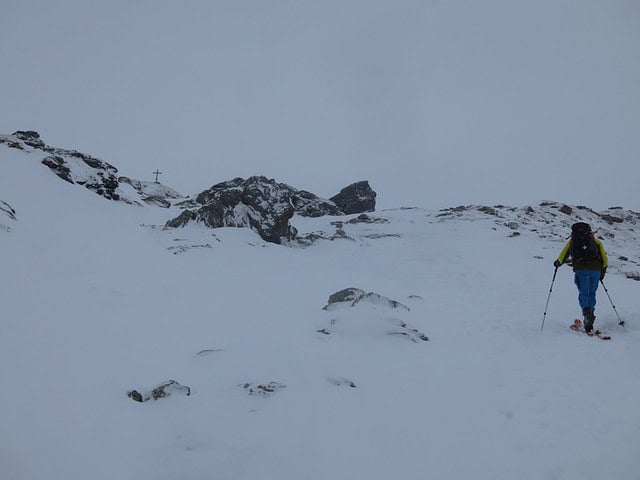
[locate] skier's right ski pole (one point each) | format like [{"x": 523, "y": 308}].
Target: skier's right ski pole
[
  {"x": 548, "y": 297},
  {"x": 620, "y": 321}
]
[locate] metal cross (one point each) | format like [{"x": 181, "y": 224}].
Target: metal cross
[{"x": 157, "y": 172}]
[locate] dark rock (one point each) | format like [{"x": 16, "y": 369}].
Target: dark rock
[
  {"x": 10, "y": 144},
  {"x": 352, "y": 296},
  {"x": 104, "y": 186},
  {"x": 358, "y": 197},
  {"x": 307, "y": 204},
  {"x": 489, "y": 211},
  {"x": 59, "y": 167},
  {"x": 182, "y": 219},
  {"x": 258, "y": 203},
  {"x": 136, "y": 395},
  {"x": 264, "y": 389},
  {"x": 411, "y": 333},
  {"x": 566, "y": 209},
  {"x": 611, "y": 219},
  {"x": 6, "y": 208},
  {"x": 30, "y": 138},
  {"x": 346, "y": 295},
  {"x": 163, "y": 390},
  {"x": 364, "y": 218}
]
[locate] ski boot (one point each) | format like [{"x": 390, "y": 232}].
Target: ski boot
[{"x": 589, "y": 318}]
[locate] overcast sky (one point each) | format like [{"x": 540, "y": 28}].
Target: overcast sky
[{"x": 436, "y": 103}]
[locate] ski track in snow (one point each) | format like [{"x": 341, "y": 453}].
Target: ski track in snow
[{"x": 95, "y": 303}]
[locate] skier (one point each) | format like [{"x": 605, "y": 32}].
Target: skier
[{"x": 589, "y": 260}]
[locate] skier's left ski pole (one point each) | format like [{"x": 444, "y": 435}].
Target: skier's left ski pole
[
  {"x": 548, "y": 297},
  {"x": 620, "y": 321}
]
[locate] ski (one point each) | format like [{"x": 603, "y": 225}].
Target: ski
[{"x": 578, "y": 327}]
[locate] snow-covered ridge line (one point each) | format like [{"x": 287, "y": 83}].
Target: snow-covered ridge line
[
  {"x": 259, "y": 203},
  {"x": 617, "y": 227},
  {"x": 91, "y": 172}
]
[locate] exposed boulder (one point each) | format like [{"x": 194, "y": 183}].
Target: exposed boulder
[
  {"x": 358, "y": 197},
  {"x": 307, "y": 204},
  {"x": 346, "y": 295},
  {"x": 350, "y": 297},
  {"x": 354, "y": 313},
  {"x": 182, "y": 220},
  {"x": 258, "y": 203},
  {"x": 163, "y": 390}
]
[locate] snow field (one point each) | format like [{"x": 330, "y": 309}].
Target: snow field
[{"x": 94, "y": 305}]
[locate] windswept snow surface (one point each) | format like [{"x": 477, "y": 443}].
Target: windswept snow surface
[{"x": 95, "y": 302}]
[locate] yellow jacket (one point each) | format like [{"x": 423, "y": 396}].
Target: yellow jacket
[{"x": 598, "y": 264}]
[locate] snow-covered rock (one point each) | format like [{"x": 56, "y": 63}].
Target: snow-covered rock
[
  {"x": 307, "y": 204},
  {"x": 153, "y": 193},
  {"x": 265, "y": 206},
  {"x": 354, "y": 313},
  {"x": 257, "y": 202},
  {"x": 165, "y": 389},
  {"x": 354, "y": 296}
]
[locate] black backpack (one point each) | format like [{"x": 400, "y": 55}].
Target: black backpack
[{"x": 583, "y": 245}]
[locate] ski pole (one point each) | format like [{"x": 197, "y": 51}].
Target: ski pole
[
  {"x": 548, "y": 297},
  {"x": 620, "y": 321}
]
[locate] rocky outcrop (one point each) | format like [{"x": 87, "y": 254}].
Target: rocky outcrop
[
  {"x": 29, "y": 138},
  {"x": 70, "y": 165},
  {"x": 94, "y": 174},
  {"x": 356, "y": 313},
  {"x": 358, "y": 197},
  {"x": 265, "y": 206},
  {"x": 58, "y": 166},
  {"x": 616, "y": 226},
  {"x": 353, "y": 296},
  {"x": 261, "y": 204}
]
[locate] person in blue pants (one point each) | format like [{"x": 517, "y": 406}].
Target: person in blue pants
[{"x": 589, "y": 260}]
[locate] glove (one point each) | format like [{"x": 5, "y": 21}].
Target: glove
[
  {"x": 602, "y": 273},
  {"x": 556, "y": 264}
]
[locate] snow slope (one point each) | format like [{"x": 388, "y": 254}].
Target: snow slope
[{"x": 97, "y": 299}]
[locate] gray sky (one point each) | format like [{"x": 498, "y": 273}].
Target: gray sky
[{"x": 437, "y": 103}]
